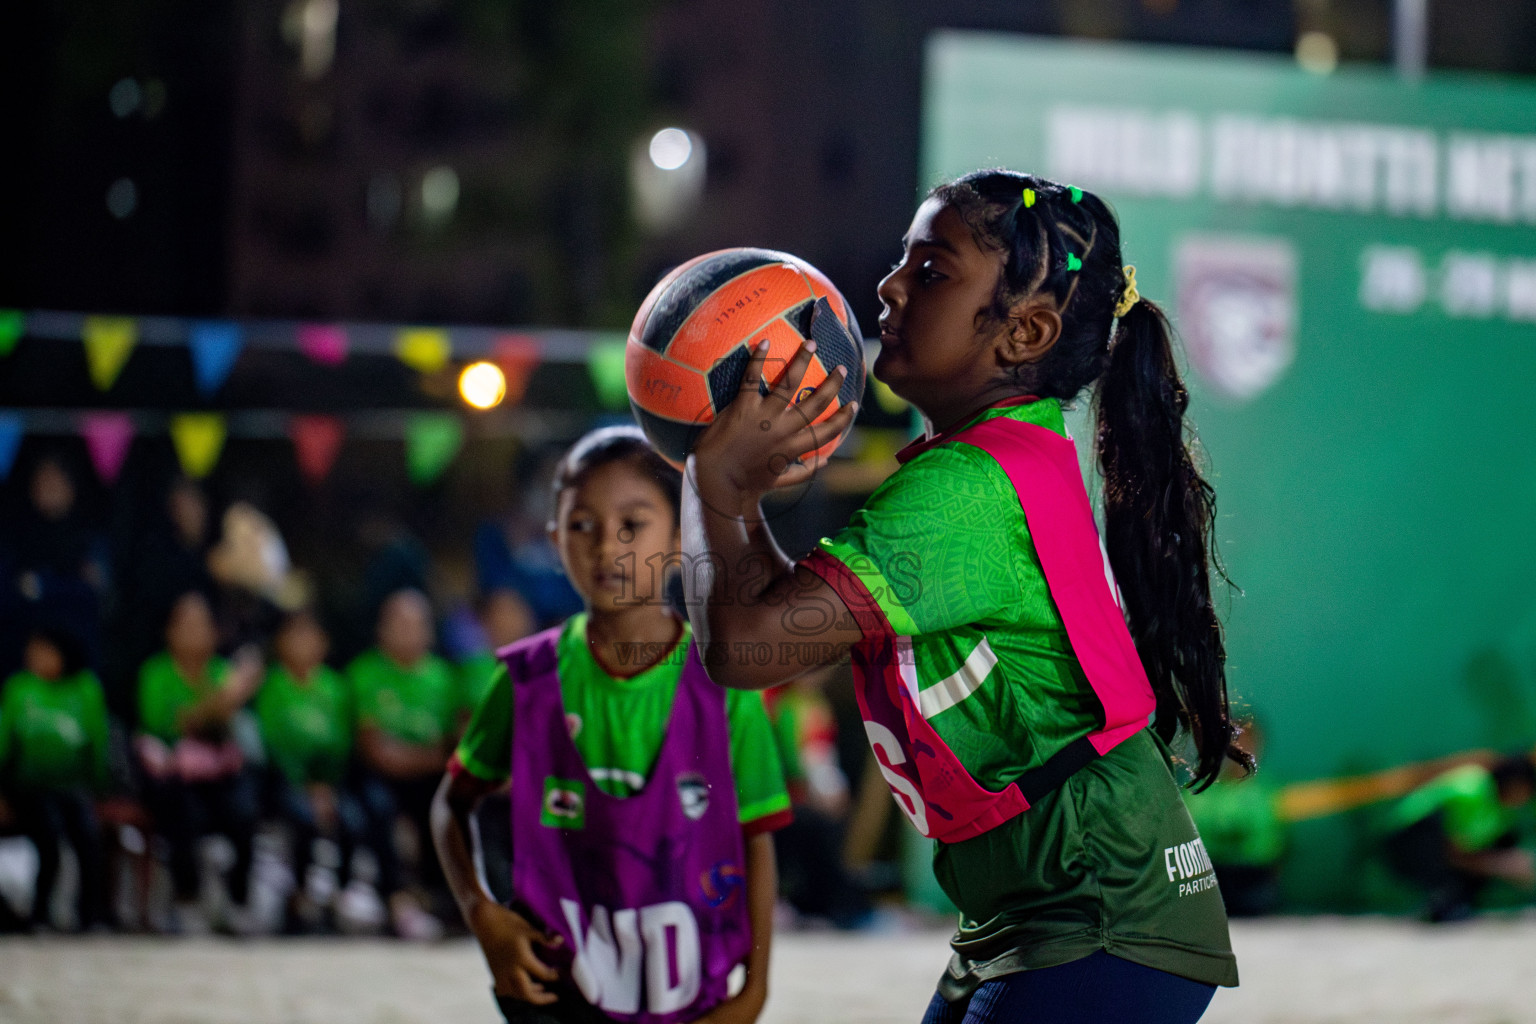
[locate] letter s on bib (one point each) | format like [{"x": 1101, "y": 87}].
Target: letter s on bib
[{"x": 907, "y": 797}]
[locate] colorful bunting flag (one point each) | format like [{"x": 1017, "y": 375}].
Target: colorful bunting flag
[
  {"x": 199, "y": 440},
  {"x": 108, "y": 436},
  {"x": 316, "y": 443},
  {"x": 11, "y": 429},
  {"x": 432, "y": 439},
  {"x": 326, "y": 344},
  {"x": 109, "y": 341},
  {"x": 215, "y": 347},
  {"x": 605, "y": 364},
  {"x": 13, "y": 324},
  {"x": 423, "y": 349},
  {"x": 518, "y": 355}
]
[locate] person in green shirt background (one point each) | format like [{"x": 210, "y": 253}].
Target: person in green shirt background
[
  {"x": 505, "y": 617},
  {"x": 408, "y": 708},
  {"x": 53, "y": 765},
  {"x": 305, "y": 712},
  {"x": 196, "y": 781},
  {"x": 1458, "y": 831},
  {"x": 1239, "y": 822}
]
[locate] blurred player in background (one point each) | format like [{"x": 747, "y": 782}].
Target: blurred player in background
[
  {"x": 642, "y": 795},
  {"x": 1239, "y": 822},
  {"x": 1458, "y": 832},
  {"x": 407, "y": 702},
  {"x": 53, "y": 767},
  {"x": 305, "y": 711},
  {"x": 812, "y": 875},
  {"x": 196, "y": 780}
]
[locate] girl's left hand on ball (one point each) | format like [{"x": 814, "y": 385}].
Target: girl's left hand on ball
[{"x": 757, "y": 442}]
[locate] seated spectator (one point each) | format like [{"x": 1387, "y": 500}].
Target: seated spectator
[
  {"x": 305, "y": 711},
  {"x": 1239, "y": 822},
  {"x": 504, "y": 617},
  {"x": 813, "y": 877},
  {"x": 53, "y": 765},
  {"x": 196, "y": 781},
  {"x": 408, "y": 708},
  {"x": 1455, "y": 833}
]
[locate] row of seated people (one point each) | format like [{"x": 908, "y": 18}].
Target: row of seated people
[{"x": 222, "y": 743}]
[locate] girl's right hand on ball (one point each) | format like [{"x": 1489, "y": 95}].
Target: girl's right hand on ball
[
  {"x": 756, "y": 443},
  {"x": 508, "y": 941}
]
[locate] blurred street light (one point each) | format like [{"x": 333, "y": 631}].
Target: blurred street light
[
  {"x": 666, "y": 175},
  {"x": 482, "y": 385}
]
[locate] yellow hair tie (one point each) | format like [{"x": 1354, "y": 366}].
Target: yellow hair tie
[{"x": 1130, "y": 296}]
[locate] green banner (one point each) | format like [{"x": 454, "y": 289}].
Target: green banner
[{"x": 1351, "y": 264}]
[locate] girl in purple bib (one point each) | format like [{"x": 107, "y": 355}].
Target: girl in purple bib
[
  {"x": 1020, "y": 680},
  {"x": 642, "y": 794}
]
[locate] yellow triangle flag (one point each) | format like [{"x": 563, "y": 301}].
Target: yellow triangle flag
[
  {"x": 424, "y": 349},
  {"x": 109, "y": 341},
  {"x": 199, "y": 440}
]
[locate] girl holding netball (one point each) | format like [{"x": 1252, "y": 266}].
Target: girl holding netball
[
  {"x": 643, "y": 796},
  {"x": 1017, "y": 719}
]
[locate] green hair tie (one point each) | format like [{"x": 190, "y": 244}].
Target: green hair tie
[
  {"x": 1073, "y": 263},
  {"x": 1077, "y": 193},
  {"x": 1029, "y": 198}
]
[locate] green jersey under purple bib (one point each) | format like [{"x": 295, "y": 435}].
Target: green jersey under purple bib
[{"x": 648, "y": 891}]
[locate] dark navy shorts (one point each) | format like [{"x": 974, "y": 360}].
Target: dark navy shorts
[{"x": 1098, "y": 989}]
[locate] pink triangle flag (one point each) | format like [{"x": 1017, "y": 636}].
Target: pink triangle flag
[
  {"x": 108, "y": 435},
  {"x": 326, "y": 344}
]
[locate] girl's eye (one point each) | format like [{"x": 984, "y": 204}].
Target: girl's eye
[
  {"x": 634, "y": 526},
  {"x": 581, "y": 525},
  {"x": 927, "y": 275}
]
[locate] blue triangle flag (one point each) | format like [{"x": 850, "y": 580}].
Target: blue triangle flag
[
  {"x": 10, "y": 440},
  {"x": 215, "y": 347}
]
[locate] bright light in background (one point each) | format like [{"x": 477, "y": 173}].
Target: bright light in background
[
  {"x": 1317, "y": 52},
  {"x": 310, "y": 25},
  {"x": 483, "y": 385},
  {"x": 671, "y": 148},
  {"x": 439, "y": 194},
  {"x": 122, "y": 198},
  {"x": 666, "y": 177}
]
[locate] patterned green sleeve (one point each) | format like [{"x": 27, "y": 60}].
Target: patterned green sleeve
[
  {"x": 934, "y": 546},
  {"x": 485, "y": 750},
  {"x": 760, "y": 790}
]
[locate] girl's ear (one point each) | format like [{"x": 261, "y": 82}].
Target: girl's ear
[{"x": 1033, "y": 328}]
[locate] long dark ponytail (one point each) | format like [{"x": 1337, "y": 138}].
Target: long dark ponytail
[{"x": 1159, "y": 511}]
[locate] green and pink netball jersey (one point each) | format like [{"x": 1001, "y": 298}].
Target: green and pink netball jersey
[{"x": 1008, "y": 710}]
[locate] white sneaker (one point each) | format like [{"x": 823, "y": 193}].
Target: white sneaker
[
  {"x": 412, "y": 923},
  {"x": 359, "y": 911}
]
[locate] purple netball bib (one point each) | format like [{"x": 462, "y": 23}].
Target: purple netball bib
[{"x": 649, "y": 891}]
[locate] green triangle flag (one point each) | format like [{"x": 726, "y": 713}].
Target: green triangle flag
[
  {"x": 432, "y": 439},
  {"x": 109, "y": 341},
  {"x": 605, "y": 364},
  {"x": 12, "y": 326}
]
